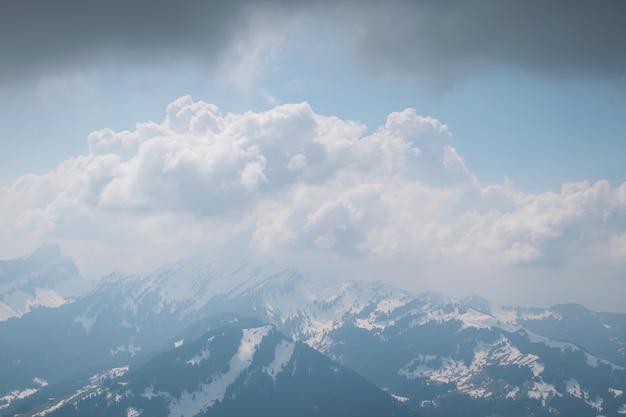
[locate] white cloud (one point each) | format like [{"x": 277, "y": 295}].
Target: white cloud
[
  {"x": 297, "y": 162},
  {"x": 617, "y": 248},
  {"x": 288, "y": 181}
]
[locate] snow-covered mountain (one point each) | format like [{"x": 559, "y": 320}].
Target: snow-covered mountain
[
  {"x": 431, "y": 351},
  {"x": 428, "y": 348},
  {"x": 43, "y": 279},
  {"x": 431, "y": 355}
]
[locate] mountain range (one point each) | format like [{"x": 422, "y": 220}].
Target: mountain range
[{"x": 223, "y": 337}]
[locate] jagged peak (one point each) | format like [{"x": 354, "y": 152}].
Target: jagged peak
[
  {"x": 46, "y": 252},
  {"x": 478, "y": 303},
  {"x": 39, "y": 260}
]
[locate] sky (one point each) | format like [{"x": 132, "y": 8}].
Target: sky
[{"x": 462, "y": 147}]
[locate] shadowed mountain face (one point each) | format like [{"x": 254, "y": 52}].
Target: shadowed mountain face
[
  {"x": 240, "y": 369},
  {"x": 437, "y": 355}
]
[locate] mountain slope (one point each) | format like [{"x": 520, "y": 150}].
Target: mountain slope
[{"x": 241, "y": 369}]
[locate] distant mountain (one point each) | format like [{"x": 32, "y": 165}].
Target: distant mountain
[
  {"x": 438, "y": 355},
  {"x": 602, "y": 334},
  {"x": 43, "y": 279},
  {"x": 431, "y": 355},
  {"x": 242, "y": 369}
]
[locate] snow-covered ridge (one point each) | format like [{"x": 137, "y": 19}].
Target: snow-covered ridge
[
  {"x": 186, "y": 286},
  {"x": 285, "y": 297},
  {"x": 562, "y": 346},
  {"x": 5, "y": 401},
  {"x": 309, "y": 310},
  {"x": 94, "y": 387},
  {"x": 300, "y": 305}
]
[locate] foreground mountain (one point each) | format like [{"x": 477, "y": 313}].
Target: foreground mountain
[
  {"x": 438, "y": 355},
  {"x": 245, "y": 368}
]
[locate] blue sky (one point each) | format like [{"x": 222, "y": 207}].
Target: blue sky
[{"x": 511, "y": 161}]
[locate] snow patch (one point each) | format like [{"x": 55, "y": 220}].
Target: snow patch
[
  {"x": 15, "y": 395},
  {"x": 399, "y": 398},
  {"x": 595, "y": 362},
  {"x": 505, "y": 315},
  {"x": 131, "y": 349},
  {"x": 563, "y": 346},
  {"x": 203, "y": 355},
  {"x": 513, "y": 393},
  {"x": 16, "y": 302},
  {"x": 475, "y": 319},
  {"x": 616, "y": 392},
  {"x": 109, "y": 374},
  {"x": 539, "y": 315},
  {"x": 60, "y": 403},
  {"x": 7, "y": 312},
  {"x": 191, "y": 404},
  {"x": 543, "y": 391},
  {"x": 86, "y": 321},
  {"x": 573, "y": 388},
  {"x": 282, "y": 355},
  {"x": 133, "y": 412},
  {"x": 40, "y": 382},
  {"x": 365, "y": 324},
  {"x": 45, "y": 297},
  {"x": 390, "y": 304},
  {"x": 6, "y": 400},
  {"x": 596, "y": 404}
]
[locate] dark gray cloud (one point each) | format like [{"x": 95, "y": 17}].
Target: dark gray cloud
[
  {"x": 39, "y": 36},
  {"x": 446, "y": 40},
  {"x": 435, "y": 41}
]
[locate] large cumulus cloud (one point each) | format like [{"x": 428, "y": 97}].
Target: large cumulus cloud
[{"x": 290, "y": 182}]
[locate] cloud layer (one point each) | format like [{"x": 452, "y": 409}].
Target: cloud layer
[
  {"x": 439, "y": 42},
  {"x": 287, "y": 183}
]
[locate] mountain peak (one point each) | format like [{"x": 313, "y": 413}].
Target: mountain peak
[
  {"x": 478, "y": 303},
  {"x": 571, "y": 309},
  {"x": 43, "y": 278},
  {"x": 36, "y": 261},
  {"x": 46, "y": 252}
]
